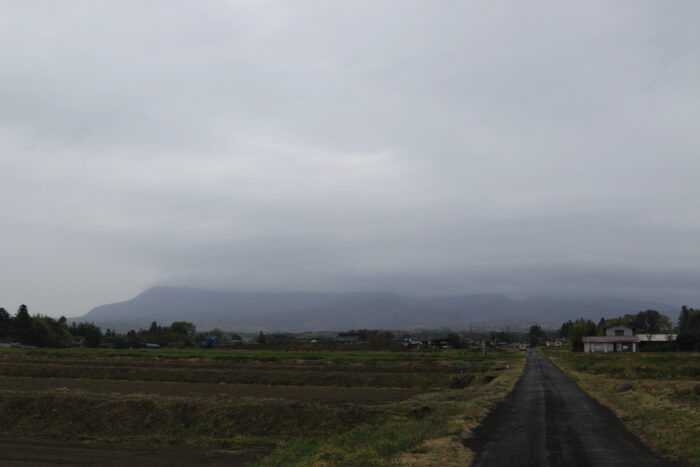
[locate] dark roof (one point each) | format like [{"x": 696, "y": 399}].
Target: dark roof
[{"x": 601, "y": 339}]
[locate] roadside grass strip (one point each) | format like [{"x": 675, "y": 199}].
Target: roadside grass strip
[{"x": 662, "y": 408}]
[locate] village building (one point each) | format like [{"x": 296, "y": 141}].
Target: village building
[
  {"x": 352, "y": 338},
  {"x": 8, "y": 341},
  {"x": 657, "y": 338},
  {"x": 617, "y": 338},
  {"x": 412, "y": 343},
  {"x": 555, "y": 342}
]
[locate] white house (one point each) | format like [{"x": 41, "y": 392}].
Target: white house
[{"x": 617, "y": 338}]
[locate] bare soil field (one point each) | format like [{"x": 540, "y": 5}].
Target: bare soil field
[
  {"x": 368, "y": 373},
  {"x": 256, "y": 391},
  {"x": 270, "y": 407},
  {"x": 25, "y": 453}
]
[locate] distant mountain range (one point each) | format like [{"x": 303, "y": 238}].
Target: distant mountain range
[{"x": 303, "y": 311}]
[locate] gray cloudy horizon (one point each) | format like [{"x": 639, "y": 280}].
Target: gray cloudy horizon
[{"x": 524, "y": 148}]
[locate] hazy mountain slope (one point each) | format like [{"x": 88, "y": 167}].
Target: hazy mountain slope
[{"x": 299, "y": 311}]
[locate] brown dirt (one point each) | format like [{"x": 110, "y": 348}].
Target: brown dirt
[
  {"x": 305, "y": 393},
  {"x": 258, "y": 374},
  {"x": 25, "y": 453},
  {"x": 228, "y": 365}
]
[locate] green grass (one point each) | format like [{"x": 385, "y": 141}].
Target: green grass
[
  {"x": 371, "y": 443},
  {"x": 652, "y": 365}
]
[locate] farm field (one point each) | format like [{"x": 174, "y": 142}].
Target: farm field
[
  {"x": 656, "y": 395},
  {"x": 268, "y": 407}
]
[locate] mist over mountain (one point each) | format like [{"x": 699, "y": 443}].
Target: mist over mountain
[{"x": 305, "y": 311}]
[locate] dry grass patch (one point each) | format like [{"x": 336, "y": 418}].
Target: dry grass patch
[
  {"x": 448, "y": 452},
  {"x": 470, "y": 406}
]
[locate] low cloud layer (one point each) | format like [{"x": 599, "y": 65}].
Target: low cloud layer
[{"x": 420, "y": 147}]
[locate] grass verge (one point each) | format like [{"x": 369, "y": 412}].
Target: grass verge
[{"x": 650, "y": 393}]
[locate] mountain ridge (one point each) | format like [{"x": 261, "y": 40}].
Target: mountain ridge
[{"x": 309, "y": 311}]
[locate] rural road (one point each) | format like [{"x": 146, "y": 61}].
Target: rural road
[{"x": 548, "y": 421}]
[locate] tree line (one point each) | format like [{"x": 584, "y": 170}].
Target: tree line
[
  {"x": 689, "y": 329},
  {"x": 44, "y": 331}
]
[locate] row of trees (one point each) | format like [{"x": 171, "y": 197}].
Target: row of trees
[
  {"x": 689, "y": 329},
  {"x": 44, "y": 331},
  {"x": 178, "y": 334},
  {"x": 536, "y": 336}
]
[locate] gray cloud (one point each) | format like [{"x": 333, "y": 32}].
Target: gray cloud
[{"x": 429, "y": 147}]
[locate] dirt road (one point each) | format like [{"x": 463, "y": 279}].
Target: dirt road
[{"x": 548, "y": 421}]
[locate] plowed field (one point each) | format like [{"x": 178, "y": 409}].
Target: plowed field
[{"x": 215, "y": 408}]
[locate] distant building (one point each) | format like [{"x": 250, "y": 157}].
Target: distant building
[
  {"x": 617, "y": 338},
  {"x": 276, "y": 338},
  {"x": 235, "y": 339},
  {"x": 320, "y": 340},
  {"x": 412, "y": 343},
  {"x": 658, "y": 338},
  {"x": 555, "y": 343},
  {"x": 657, "y": 341},
  {"x": 351, "y": 338},
  {"x": 442, "y": 343},
  {"x": 8, "y": 341}
]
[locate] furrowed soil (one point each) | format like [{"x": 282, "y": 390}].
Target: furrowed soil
[
  {"x": 229, "y": 408},
  {"x": 256, "y": 391},
  {"x": 421, "y": 375},
  {"x": 23, "y": 453}
]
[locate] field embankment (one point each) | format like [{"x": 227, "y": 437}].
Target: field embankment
[
  {"x": 656, "y": 395},
  {"x": 299, "y": 407}
]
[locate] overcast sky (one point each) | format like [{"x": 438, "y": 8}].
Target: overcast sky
[{"x": 422, "y": 147}]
